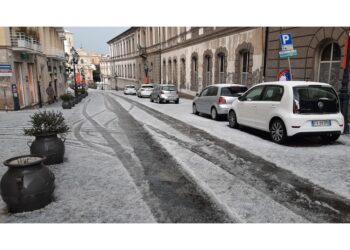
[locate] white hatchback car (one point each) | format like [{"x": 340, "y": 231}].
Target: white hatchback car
[
  {"x": 289, "y": 108},
  {"x": 130, "y": 90},
  {"x": 145, "y": 90}
]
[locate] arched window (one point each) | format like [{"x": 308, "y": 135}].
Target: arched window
[
  {"x": 329, "y": 65},
  {"x": 175, "y": 72},
  {"x": 170, "y": 77},
  {"x": 164, "y": 71},
  {"x": 220, "y": 65},
  {"x": 194, "y": 72},
  {"x": 221, "y": 61},
  {"x": 207, "y": 68},
  {"x": 244, "y": 67},
  {"x": 82, "y": 61},
  {"x": 183, "y": 74}
]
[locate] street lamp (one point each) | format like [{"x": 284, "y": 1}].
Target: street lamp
[
  {"x": 75, "y": 61},
  {"x": 344, "y": 90},
  {"x": 116, "y": 81},
  {"x": 66, "y": 56}
]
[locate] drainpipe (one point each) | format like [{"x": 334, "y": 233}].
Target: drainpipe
[{"x": 265, "y": 51}]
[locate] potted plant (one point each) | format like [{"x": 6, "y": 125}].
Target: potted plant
[
  {"x": 66, "y": 101},
  {"x": 45, "y": 126}
]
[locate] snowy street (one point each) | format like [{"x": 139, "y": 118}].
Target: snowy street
[{"x": 130, "y": 160}]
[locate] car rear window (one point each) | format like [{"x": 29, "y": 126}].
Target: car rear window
[
  {"x": 169, "y": 88},
  {"x": 130, "y": 87},
  {"x": 147, "y": 87},
  {"x": 233, "y": 91},
  {"x": 316, "y": 99}
]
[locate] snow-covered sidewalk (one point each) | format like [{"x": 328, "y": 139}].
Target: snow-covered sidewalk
[{"x": 90, "y": 186}]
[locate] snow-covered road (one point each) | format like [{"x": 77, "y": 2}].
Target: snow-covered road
[{"x": 244, "y": 175}]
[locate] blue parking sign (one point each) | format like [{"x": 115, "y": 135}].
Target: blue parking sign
[{"x": 286, "y": 39}]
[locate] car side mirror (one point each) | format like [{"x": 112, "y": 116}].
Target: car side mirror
[
  {"x": 197, "y": 94},
  {"x": 241, "y": 98}
]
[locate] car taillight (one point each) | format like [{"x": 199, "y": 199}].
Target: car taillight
[
  {"x": 296, "y": 107},
  {"x": 222, "y": 100}
]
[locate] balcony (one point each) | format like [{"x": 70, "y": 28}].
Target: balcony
[
  {"x": 142, "y": 51},
  {"x": 55, "y": 53},
  {"x": 23, "y": 42}
]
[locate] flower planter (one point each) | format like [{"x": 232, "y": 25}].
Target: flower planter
[
  {"x": 28, "y": 184},
  {"x": 71, "y": 101},
  {"x": 66, "y": 105},
  {"x": 49, "y": 146}
]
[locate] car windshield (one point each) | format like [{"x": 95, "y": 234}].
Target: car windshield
[
  {"x": 316, "y": 99},
  {"x": 147, "y": 87},
  {"x": 130, "y": 87},
  {"x": 169, "y": 88},
  {"x": 233, "y": 91}
]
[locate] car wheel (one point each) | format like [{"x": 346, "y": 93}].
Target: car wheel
[
  {"x": 177, "y": 101},
  {"x": 194, "y": 109},
  {"x": 278, "y": 131},
  {"x": 232, "y": 119},
  {"x": 329, "y": 138},
  {"x": 214, "y": 114},
  {"x": 158, "y": 100},
  {"x": 150, "y": 98}
]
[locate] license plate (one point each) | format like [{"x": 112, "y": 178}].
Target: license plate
[{"x": 324, "y": 123}]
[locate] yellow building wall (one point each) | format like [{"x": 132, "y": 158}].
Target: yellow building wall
[{"x": 5, "y": 36}]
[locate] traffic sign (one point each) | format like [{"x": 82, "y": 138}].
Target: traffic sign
[
  {"x": 284, "y": 75},
  {"x": 288, "y": 53},
  {"x": 286, "y": 41}
]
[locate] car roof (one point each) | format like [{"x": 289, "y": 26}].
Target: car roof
[
  {"x": 129, "y": 86},
  {"x": 227, "y": 85},
  {"x": 146, "y": 84},
  {"x": 295, "y": 83}
]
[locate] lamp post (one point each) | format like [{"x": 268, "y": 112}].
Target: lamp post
[
  {"x": 66, "y": 56},
  {"x": 75, "y": 61},
  {"x": 344, "y": 90}
]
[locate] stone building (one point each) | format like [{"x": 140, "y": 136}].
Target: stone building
[
  {"x": 88, "y": 62},
  {"x": 320, "y": 53},
  {"x": 189, "y": 57},
  {"x": 35, "y": 57}
]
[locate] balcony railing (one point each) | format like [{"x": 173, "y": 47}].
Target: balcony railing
[
  {"x": 23, "y": 41},
  {"x": 56, "y": 53}
]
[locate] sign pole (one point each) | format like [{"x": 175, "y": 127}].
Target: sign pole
[{"x": 290, "y": 69}]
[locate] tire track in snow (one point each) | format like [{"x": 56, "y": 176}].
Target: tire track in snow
[{"x": 297, "y": 194}]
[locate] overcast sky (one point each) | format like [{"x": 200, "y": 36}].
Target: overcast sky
[{"x": 94, "y": 39}]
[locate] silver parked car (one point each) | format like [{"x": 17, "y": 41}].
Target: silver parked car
[
  {"x": 165, "y": 93},
  {"x": 145, "y": 90},
  {"x": 216, "y": 99}
]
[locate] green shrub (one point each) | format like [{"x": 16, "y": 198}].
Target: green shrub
[
  {"x": 46, "y": 123},
  {"x": 66, "y": 97}
]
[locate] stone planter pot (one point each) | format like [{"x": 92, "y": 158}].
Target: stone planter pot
[
  {"x": 66, "y": 105},
  {"x": 49, "y": 146},
  {"x": 28, "y": 184},
  {"x": 71, "y": 101}
]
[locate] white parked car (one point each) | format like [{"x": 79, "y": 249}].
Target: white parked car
[
  {"x": 145, "y": 90},
  {"x": 290, "y": 108},
  {"x": 130, "y": 90},
  {"x": 216, "y": 99}
]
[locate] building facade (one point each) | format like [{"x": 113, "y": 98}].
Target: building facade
[
  {"x": 189, "y": 57},
  {"x": 35, "y": 58},
  {"x": 320, "y": 54}
]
